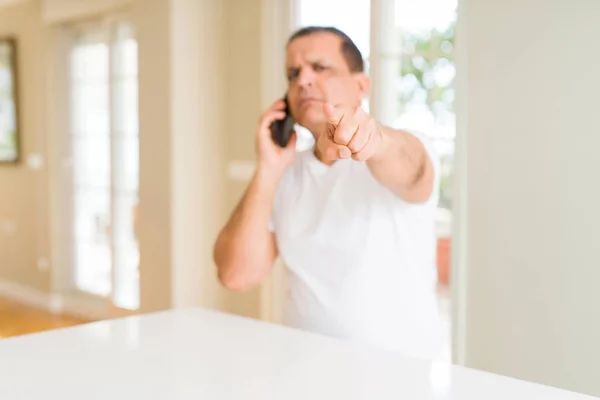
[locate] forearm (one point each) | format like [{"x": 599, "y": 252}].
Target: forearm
[
  {"x": 245, "y": 249},
  {"x": 403, "y": 166}
]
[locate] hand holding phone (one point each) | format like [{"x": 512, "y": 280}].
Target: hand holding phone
[
  {"x": 276, "y": 142},
  {"x": 281, "y": 129}
]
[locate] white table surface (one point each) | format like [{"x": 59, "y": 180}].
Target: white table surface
[{"x": 199, "y": 354}]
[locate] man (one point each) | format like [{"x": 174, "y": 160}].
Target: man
[{"x": 352, "y": 219}]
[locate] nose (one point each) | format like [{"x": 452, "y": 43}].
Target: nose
[{"x": 306, "y": 77}]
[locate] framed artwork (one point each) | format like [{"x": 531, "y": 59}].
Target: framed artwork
[{"x": 9, "y": 120}]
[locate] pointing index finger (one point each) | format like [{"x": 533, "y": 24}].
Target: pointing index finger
[{"x": 333, "y": 115}]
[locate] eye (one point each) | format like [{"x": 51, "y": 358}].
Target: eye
[
  {"x": 319, "y": 67},
  {"x": 293, "y": 74}
]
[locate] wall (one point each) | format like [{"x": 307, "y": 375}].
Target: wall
[
  {"x": 533, "y": 136},
  {"x": 199, "y": 155},
  {"x": 153, "y": 34},
  {"x": 23, "y": 190},
  {"x": 198, "y": 110},
  {"x": 63, "y": 10},
  {"x": 182, "y": 151},
  {"x": 243, "y": 104}
]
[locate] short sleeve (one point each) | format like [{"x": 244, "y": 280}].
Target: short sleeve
[
  {"x": 435, "y": 160},
  {"x": 271, "y": 225},
  {"x": 282, "y": 196},
  {"x": 274, "y": 212}
]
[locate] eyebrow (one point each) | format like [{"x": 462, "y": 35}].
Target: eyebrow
[{"x": 312, "y": 62}]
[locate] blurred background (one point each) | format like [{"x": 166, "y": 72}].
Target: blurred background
[{"x": 126, "y": 139}]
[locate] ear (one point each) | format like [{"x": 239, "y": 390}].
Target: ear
[{"x": 364, "y": 84}]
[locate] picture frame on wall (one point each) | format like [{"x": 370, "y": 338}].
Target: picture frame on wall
[{"x": 9, "y": 112}]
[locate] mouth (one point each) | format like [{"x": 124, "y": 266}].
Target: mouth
[{"x": 309, "y": 101}]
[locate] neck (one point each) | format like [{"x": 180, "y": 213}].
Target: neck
[
  {"x": 320, "y": 157},
  {"x": 316, "y": 132}
]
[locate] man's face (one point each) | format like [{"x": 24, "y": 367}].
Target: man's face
[{"x": 317, "y": 72}]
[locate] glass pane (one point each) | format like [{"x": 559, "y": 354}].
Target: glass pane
[
  {"x": 125, "y": 106},
  {"x": 420, "y": 17},
  {"x": 353, "y": 18},
  {"x": 91, "y": 162},
  {"x": 89, "y": 59},
  {"x": 90, "y": 108},
  {"x": 424, "y": 83},
  {"x": 125, "y": 217},
  {"x": 125, "y": 167},
  {"x": 8, "y": 121},
  {"x": 127, "y": 282},
  {"x": 126, "y": 291},
  {"x": 92, "y": 211},
  {"x": 92, "y": 241},
  {"x": 124, "y": 50},
  {"x": 425, "y": 101},
  {"x": 426, "y": 95},
  {"x": 130, "y": 60}
]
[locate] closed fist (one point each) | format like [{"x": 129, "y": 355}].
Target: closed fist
[{"x": 350, "y": 132}]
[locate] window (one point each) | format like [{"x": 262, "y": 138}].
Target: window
[
  {"x": 415, "y": 74},
  {"x": 423, "y": 82},
  {"x": 342, "y": 15},
  {"x": 104, "y": 145}
]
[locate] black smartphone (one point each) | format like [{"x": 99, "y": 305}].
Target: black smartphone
[{"x": 281, "y": 129}]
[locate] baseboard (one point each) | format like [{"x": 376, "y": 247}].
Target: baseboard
[
  {"x": 77, "y": 306},
  {"x": 29, "y": 296},
  {"x": 86, "y": 308}
]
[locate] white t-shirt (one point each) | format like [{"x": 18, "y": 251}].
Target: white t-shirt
[{"x": 360, "y": 261}]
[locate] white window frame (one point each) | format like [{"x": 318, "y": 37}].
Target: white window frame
[{"x": 65, "y": 296}]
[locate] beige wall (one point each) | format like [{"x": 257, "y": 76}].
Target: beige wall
[
  {"x": 183, "y": 152},
  {"x": 153, "y": 32},
  {"x": 199, "y": 103},
  {"x": 243, "y": 107},
  {"x": 23, "y": 191},
  {"x": 533, "y": 136},
  {"x": 228, "y": 104}
]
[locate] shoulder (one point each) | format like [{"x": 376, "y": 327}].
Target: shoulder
[
  {"x": 435, "y": 159},
  {"x": 427, "y": 143},
  {"x": 429, "y": 148}
]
